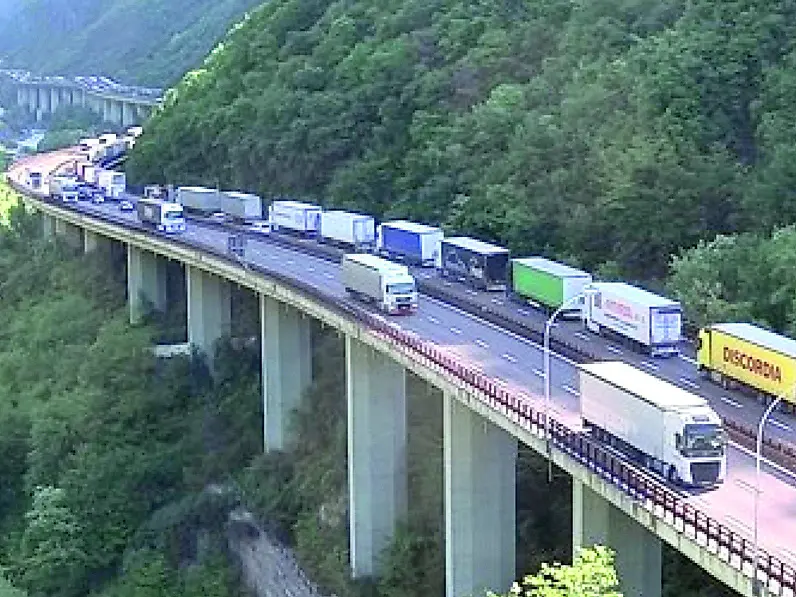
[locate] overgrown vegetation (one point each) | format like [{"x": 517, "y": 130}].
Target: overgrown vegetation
[
  {"x": 142, "y": 42},
  {"x": 612, "y": 134},
  {"x": 103, "y": 462}
]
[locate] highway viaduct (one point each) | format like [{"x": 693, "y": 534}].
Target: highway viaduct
[
  {"x": 117, "y": 104},
  {"x": 614, "y": 503}
]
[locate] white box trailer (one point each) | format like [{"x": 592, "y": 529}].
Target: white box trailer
[
  {"x": 665, "y": 428},
  {"x": 349, "y": 229},
  {"x": 163, "y": 215},
  {"x": 375, "y": 280},
  {"x": 242, "y": 206},
  {"x": 303, "y": 218},
  {"x": 199, "y": 199},
  {"x": 113, "y": 183},
  {"x": 652, "y": 322}
]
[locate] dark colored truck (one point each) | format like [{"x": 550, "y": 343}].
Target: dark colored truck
[{"x": 474, "y": 262}]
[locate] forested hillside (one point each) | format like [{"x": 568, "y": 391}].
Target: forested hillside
[
  {"x": 610, "y": 133},
  {"x": 144, "y": 42}
]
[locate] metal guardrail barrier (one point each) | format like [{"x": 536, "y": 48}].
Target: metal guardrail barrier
[{"x": 656, "y": 497}]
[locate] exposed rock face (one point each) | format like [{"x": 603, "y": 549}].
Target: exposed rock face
[{"x": 268, "y": 568}]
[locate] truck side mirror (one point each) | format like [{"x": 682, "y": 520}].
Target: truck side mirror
[{"x": 678, "y": 441}]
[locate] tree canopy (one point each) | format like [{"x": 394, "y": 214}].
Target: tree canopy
[{"x": 617, "y": 132}]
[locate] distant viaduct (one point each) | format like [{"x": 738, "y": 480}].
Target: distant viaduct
[{"x": 117, "y": 104}]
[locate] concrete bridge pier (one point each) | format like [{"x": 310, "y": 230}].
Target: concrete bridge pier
[
  {"x": 638, "y": 552},
  {"x": 93, "y": 241},
  {"x": 480, "y": 502},
  {"x": 55, "y": 99},
  {"x": 286, "y": 368},
  {"x": 377, "y": 468},
  {"x": 146, "y": 281},
  {"x": 48, "y": 226},
  {"x": 72, "y": 235},
  {"x": 209, "y": 309}
]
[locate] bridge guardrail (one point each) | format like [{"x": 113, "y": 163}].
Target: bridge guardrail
[{"x": 730, "y": 546}]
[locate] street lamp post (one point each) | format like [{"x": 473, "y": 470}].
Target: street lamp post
[
  {"x": 756, "y": 583},
  {"x": 578, "y": 297}
]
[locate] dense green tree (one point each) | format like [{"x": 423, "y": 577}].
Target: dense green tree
[{"x": 591, "y": 574}]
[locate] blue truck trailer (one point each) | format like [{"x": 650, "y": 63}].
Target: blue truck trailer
[{"x": 410, "y": 242}]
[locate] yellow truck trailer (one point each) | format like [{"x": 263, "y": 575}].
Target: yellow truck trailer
[{"x": 751, "y": 355}]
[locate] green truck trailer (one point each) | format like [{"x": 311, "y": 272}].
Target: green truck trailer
[{"x": 549, "y": 284}]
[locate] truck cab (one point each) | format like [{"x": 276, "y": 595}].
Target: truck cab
[
  {"x": 699, "y": 444},
  {"x": 399, "y": 292}
]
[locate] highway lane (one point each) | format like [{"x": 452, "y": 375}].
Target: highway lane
[{"x": 518, "y": 362}]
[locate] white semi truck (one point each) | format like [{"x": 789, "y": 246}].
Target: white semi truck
[
  {"x": 112, "y": 183},
  {"x": 163, "y": 215},
  {"x": 650, "y": 323},
  {"x": 375, "y": 280},
  {"x": 665, "y": 428}
]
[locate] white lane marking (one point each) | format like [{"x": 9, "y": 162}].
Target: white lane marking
[
  {"x": 730, "y": 401},
  {"x": 738, "y": 523},
  {"x": 689, "y": 383},
  {"x": 612, "y": 349},
  {"x": 509, "y": 358},
  {"x": 688, "y": 359},
  {"x": 523, "y": 312},
  {"x": 499, "y": 329},
  {"x": 289, "y": 261},
  {"x": 746, "y": 486},
  {"x": 497, "y": 301},
  {"x": 447, "y": 283},
  {"x": 649, "y": 365},
  {"x": 472, "y": 292},
  {"x": 582, "y": 336},
  {"x": 432, "y": 319},
  {"x": 328, "y": 275},
  {"x": 481, "y": 343},
  {"x": 779, "y": 468},
  {"x": 310, "y": 269},
  {"x": 456, "y": 331},
  {"x": 570, "y": 390},
  {"x": 779, "y": 424},
  {"x": 538, "y": 373}
]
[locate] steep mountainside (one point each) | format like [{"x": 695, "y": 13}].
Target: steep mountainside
[
  {"x": 612, "y": 132},
  {"x": 147, "y": 42}
]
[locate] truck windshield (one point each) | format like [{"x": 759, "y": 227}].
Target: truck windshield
[
  {"x": 703, "y": 440},
  {"x": 403, "y": 288},
  {"x": 172, "y": 215}
]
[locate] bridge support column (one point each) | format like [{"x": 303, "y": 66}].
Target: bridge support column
[
  {"x": 638, "y": 552},
  {"x": 48, "y": 226},
  {"x": 55, "y": 99},
  {"x": 116, "y": 112},
  {"x": 146, "y": 281},
  {"x": 377, "y": 474},
  {"x": 95, "y": 242},
  {"x": 73, "y": 235},
  {"x": 480, "y": 503},
  {"x": 209, "y": 309},
  {"x": 287, "y": 368}
]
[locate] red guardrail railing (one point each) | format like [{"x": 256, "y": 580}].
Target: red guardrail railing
[{"x": 779, "y": 577}]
